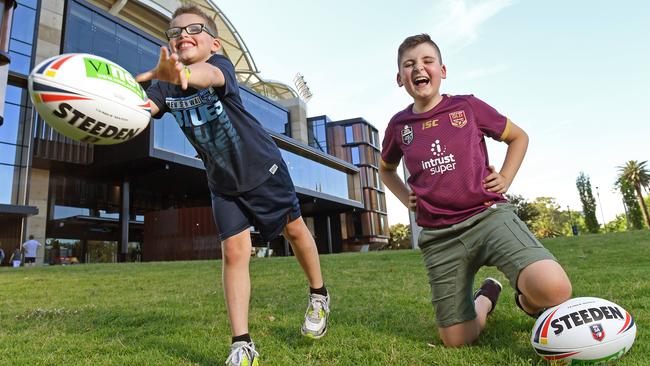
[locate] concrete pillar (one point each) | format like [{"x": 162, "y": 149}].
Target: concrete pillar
[
  {"x": 37, "y": 224},
  {"x": 125, "y": 214},
  {"x": 297, "y": 118},
  {"x": 49, "y": 30}
]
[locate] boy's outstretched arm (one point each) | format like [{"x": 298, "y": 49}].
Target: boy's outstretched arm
[
  {"x": 517, "y": 141},
  {"x": 393, "y": 181},
  {"x": 198, "y": 75}
]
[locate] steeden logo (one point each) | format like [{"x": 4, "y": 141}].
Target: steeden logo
[{"x": 458, "y": 119}]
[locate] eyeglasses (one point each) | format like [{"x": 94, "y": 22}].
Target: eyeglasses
[{"x": 195, "y": 28}]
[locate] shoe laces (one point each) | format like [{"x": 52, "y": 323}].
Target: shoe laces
[
  {"x": 316, "y": 303},
  {"x": 237, "y": 354}
]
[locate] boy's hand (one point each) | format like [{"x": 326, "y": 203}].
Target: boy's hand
[
  {"x": 495, "y": 182},
  {"x": 169, "y": 69},
  {"x": 413, "y": 202}
]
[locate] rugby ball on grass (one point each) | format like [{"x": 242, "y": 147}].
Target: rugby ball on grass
[
  {"x": 583, "y": 330},
  {"x": 89, "y": 98}
]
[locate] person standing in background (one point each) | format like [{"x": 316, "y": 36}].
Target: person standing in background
[
  {"x": 31, "y": 247},
  {"x": 16, "y": 257}
]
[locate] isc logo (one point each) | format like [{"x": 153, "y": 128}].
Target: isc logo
[{"x": 429, "y": 124}]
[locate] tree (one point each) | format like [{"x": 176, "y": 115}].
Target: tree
[
  {"x": 638, "y": 175},
  {"x": 588, "y": 202},
  {"x": 524, "y": 209},
  {"x": 632, "y": 209},
  {"x": 618, "y": 224},
  {"x": 550, "y": 221},
  {"x": 400, "y": 236}
]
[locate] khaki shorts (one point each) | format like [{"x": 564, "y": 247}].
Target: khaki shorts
[{"x": 453, "y": 255}]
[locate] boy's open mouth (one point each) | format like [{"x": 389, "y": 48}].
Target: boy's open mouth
[
  {"x": 420, "y": 80},
  {"x": 184, "y": 45}
]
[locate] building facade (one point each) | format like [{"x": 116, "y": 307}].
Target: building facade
[
  {"x": 356, "y": 141},
  {"x": 147, "y": 199}
]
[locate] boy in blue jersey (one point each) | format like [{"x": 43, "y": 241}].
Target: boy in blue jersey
[{"x": 248, "y": 180}]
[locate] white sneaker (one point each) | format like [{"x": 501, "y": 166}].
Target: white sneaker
[
  {"x": 318, "y": 310},
  {"x": 242, "y": 354}
]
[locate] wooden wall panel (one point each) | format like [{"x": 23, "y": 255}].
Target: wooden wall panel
[
  {"x": 10, "y": 230},
  {"x": 180, "y": 234}
]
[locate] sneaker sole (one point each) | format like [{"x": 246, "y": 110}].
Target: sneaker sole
[{"x": 313, "y": 336}]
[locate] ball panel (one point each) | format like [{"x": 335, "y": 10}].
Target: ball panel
[{"x": 89, "y": 99}]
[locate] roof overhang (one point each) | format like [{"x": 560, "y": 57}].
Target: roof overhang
[{"x": 17, "y": 211}]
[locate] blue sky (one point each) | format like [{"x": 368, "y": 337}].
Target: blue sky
[{"x": 573, "y": 74}]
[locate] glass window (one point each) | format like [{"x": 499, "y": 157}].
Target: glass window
[
  {"x": 313, "y": 175},
  {"x": 104, "y": 37},
  {"x": 317, "y": 132},
  {"x": 9, "y": 182},
  {"x": 354, "y": 151},
  {"x": 375, "y": 174},
  {"x": 61, "y": 212},
  {"x": 79, "y": 38},
  {"x": 22, "y": 36},
  {"x": 9, "y": 131},
  {"x": 12, "y": 154},
  {"x": 272, "y": 117},
  {"x": 109, "y": 215},
  {"x": 13, "y": 149},
  {"x": 168, "y": 136},
  {"x": 127, "y": 48},
  {"x": 22, "y": 27},
  {"x": 349, "y": 134}
]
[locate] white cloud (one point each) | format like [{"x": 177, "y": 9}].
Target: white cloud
[{"x": 462, "y": 20}]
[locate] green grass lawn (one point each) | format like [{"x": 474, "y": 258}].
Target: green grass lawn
[{"x": 174, "y": 314}]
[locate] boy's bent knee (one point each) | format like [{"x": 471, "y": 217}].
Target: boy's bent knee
[
  {"x": 459, "y": 335},
  {"x": 559, "y": 292}
]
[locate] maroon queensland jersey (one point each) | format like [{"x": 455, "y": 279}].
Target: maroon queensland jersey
[{"x": 445, "y": 153}]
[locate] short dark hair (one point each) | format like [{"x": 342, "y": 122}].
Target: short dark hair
[
  {"x": 414, "y": 41},
  {"x": 191, "y": 8}
]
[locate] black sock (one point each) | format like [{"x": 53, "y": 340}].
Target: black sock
[
  {"x": 321, "y": 291},
  {"x": 242, "y": 338}
]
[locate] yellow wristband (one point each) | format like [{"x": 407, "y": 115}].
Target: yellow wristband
[{"x": 188, "y": 73}]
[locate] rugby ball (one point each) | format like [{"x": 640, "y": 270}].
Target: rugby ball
[
  {"x": 583, "y": 330},
  {"x": 89, "y": 98}
]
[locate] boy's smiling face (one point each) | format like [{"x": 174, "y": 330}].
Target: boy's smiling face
[
  {"x": 192, "y": 48},
  {"x": 421, "y": 73}
]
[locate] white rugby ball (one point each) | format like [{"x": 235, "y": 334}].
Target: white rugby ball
[
  {"x": 89, "y": 98},
  {"x": 583, "y": 330}
]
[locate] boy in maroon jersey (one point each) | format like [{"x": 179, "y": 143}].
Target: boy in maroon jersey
[{"x": 458, "y": 199}]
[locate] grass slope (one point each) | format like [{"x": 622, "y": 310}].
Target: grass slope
[{"x": 174, "y": 314}]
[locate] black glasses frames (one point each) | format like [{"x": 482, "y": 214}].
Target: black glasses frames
[{"x": 194, "y": 28}]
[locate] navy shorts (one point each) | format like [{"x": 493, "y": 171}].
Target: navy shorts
[
  {"x": 30, "y": 259},
  {"x": 268, "y": 207}
]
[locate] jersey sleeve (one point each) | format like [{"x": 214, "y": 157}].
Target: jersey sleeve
[
  {"x": 391, "y": 153},
  {"x": 228, "y": 70},
  {"x": 156, "y": 96},
  {"x": 490, "y": 121}
]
